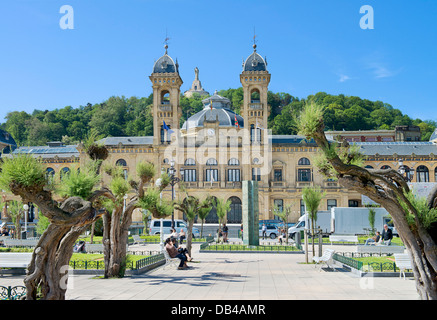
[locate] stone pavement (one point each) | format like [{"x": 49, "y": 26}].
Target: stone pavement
[{"x": 248, "y": 276}]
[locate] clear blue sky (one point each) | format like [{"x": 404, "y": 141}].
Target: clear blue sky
[{"x": 311, "y": 46}]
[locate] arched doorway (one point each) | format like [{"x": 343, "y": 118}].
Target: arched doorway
[
  {"x": 212, "y": 217},
  {"x": 235, "y": 215}
]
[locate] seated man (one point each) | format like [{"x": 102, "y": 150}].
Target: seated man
[
  {"x": 387, "y": 235},
  {"x": 174, "y": 253},
  {"x": 184, "y": 251},
  {"x": 375, "y": 239}
]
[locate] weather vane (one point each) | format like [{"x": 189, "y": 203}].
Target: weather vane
[{"x": 166, "y": 41}]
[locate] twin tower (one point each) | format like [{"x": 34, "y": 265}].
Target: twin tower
[{"x": 166, "y": 84}]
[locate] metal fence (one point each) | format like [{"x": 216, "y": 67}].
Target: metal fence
[
  {"x": 348, "y": 261},
  {"x": 100, "y": 265},
  {"x": 347, "y": 258},
  {"x": 12, "y": 293}
]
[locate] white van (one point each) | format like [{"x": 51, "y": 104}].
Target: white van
[{"x": 155, "y": 227}]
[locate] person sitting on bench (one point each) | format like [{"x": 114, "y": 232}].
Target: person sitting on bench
[
  {"x": 374, "y": 239},
  {"x": 180, "y": 249},
  {"x": 387, "y": 235},
  {"x": 174, "y": 253}
]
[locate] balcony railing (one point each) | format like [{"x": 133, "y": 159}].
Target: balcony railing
[
  {"x": 165, "y": 107},
  {"x": 330, "y": 184},
  {"x": 277, "y": 184},
  {"x": 233, "y": 185},
  {"x": 303, "y": 184},
  {"x": 211, "y": 185},
  {"x": 191, "y": 184},
  {"x": 256, "y": 105}
]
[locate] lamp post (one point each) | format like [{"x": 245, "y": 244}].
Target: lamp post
[
  {"x": 173, "y": 181},
  {"x": 161, "y": 229},
  {"x": 406, "y": 174},
  {"x": 26, "y": 210}
]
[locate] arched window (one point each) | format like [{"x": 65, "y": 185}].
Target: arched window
[
  {"x": 255, "y": 96},
  {"x": 211, "y": 162},
  {"x": 65, "y": 171},
  {"x": 121, "y": 162},
  {"x": 190, "y": 162},
  {"x": 165, "y": 97},
  {"x": 368, "y": 167},
  {"x": 233, "y": 162},
  {"x": 304, "y": 162},
  {"x": 422, "y": 174},
  {"x": 385, "y": 167},
  {"x": 50, "y": 174}
]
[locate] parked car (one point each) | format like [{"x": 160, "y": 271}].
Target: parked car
[
  {"x": 155, "y": 227},
  {"x": 272, "y": 231},
  {"x": 277, "y": 223}
]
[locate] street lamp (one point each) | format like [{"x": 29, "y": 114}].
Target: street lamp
[
  {"x": 405, "y": 172},
  {"x": 26, "y": 210},
  {"x": 173, "y": 181}
]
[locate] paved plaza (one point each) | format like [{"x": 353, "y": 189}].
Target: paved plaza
[{"x": 238, "y": 276}]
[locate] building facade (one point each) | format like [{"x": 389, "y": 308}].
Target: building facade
[{"x": 216, "y": 149}]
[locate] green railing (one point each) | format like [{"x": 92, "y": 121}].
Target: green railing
[
  {"x": 230, "y": 248},
  {"x": 12, "y": 293},
  {"x": 348, "y": 261},
  {"x": 100, "y": 265}
]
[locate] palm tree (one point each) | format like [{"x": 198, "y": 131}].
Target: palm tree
[
  {"x": 222, "y": 210},
  {"x": 202, "y": 216},
  {"x": 283, "y": 214},
  {"x": 192, "y": 206},
  {"x": 312, "y": 198}
]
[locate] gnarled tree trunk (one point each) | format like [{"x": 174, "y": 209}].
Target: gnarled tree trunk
[
  {"x": 48, "y": 269},
  {"x": 387, "y": 188}
]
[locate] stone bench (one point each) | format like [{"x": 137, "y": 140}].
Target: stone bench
[
  {"x": 20, "y": 242},
  {"x": 381, "y": 249},
  {"x": 97, "y": 247},
  {"x": 343, "y": 238}
]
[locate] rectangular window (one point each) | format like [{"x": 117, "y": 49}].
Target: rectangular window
[
  {"x": 277, "y": 175},
  {"x": 304, "y": 175},
  {"x": 211, "y": 175},
  {"x": 166, "y": 224},
  {"x": 256, "y": 174},
  {"x": 353, "y": 203},
  {"x": 332, "y": 203},
  {"x": 233, "y": 175},
  {"x": 190, "y": 175}
]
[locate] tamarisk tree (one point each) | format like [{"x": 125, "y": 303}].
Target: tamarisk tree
[
  {"x": 123, "y": 196},
  {"x": 412, "y": 218},
  {"x": 47, "y": 273}
]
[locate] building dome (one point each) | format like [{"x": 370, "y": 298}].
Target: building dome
[
  {"x": 7, "y": 143},
  {"x": 165, "y": 64},
  {"x": 215, "y": 108},
  {"x": 255, "y": 62}
]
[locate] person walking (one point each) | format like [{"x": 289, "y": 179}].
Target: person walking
[{"x": 264, "y": 231}]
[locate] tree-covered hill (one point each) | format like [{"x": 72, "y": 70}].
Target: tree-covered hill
[{"x": 121, "y": 116}]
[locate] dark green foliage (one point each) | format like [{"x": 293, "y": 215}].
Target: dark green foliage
[{"x": 121, "y": 116}]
